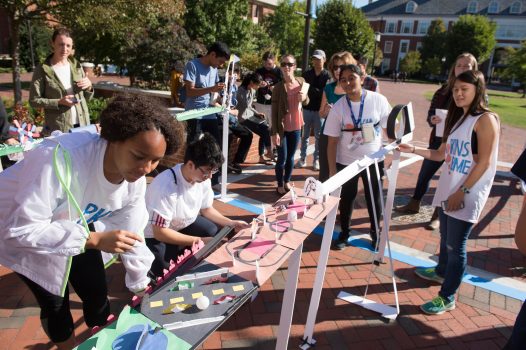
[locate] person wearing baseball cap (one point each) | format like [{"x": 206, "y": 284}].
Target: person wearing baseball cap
[{"x": 317, "y": 77}]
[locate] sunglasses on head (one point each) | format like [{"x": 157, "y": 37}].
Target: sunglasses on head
[{"x": 287, "y": 64}]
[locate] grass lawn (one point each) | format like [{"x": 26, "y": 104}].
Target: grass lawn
[{"x": 510, "y": 106}]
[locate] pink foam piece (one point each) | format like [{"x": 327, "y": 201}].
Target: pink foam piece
[
  {"x": 110, "y": 319},
  {"x": 94, "y": 330},
  {"x": 259, "y": 246},
  {"x": 148, "y": 290},
  {"x": 159, "y": 279},
  {"x": 280, "y": 226},
  {"x": 135, "y": 301},
  {"x": 298, "y": 208}
]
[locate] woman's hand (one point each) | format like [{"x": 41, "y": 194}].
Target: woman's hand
[
  {"x": 239, "y": 224},
  {"x": 68, "y": 100},
  {"x": 435, "y": 120},
  {"x": 455, "y": 201},
  {"x": 276, "y": 140},
  {"x": 303, "y": 96},
  {"x": 116, "y": 241},
  {"x": 406, "y": 148},
  {"x": 84, "y": 84}
]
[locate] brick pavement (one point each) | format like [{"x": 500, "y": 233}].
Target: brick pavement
[{"x": 483, "y": 319}]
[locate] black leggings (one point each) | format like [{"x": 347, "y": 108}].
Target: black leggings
[
  {"x": 348, "y": 195},
  {"x": 88, "y": 278},
  {"x": 163, "y": 252}
]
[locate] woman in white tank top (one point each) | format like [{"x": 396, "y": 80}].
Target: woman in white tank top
[{"x": 469, "y": 149}]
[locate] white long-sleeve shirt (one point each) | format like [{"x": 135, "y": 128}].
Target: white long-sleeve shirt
[{"x": 40, "y": 230}]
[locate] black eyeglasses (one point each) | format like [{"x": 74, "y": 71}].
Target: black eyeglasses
[
  {"x": 209, "y": 172},
  {"x": 287, "y": 64}
]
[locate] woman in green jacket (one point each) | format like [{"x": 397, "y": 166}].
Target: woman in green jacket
[{"x": 60, "y": 87}]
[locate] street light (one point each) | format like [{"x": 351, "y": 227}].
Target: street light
[{"x": 377, "y": 37}]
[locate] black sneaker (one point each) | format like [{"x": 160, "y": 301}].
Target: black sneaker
[
  {"x": 234, "y": 168},
  {"x": 339, "y": 244}
]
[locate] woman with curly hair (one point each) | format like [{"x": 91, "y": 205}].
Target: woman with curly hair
[{"x": 77, "y": 197}]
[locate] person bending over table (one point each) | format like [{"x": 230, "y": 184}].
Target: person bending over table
[
  {"x": 180, "y": 204},
  {"x": 75, "y": 196}
]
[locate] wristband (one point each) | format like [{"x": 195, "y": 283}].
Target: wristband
[{"x": 464, "y": 189}]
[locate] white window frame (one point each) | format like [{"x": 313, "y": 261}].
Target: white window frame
[
  {"x": 390, "y": 50},
  {"x": 473, "y": 7},
  {"x": 516, "y": 8},
  {"x": 410, "y": 27},
  {"x": 418, "y": 45},
  {"x": 419, "y": 31},
  {"x": 410, "y": 7},
  {"x": 387, "y": 27},
  {"x": 493, "y": 7}
]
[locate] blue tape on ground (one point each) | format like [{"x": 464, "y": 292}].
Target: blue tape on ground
[{"x": 405, "y": 258}]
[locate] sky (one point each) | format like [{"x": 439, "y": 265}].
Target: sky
[{"x": 357, "y": 3}]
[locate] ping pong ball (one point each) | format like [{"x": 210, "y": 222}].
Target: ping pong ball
[{"x": 202, "y": 302}]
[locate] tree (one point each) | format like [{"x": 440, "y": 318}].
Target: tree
[
  {"x": 471, "y": 33},
  {"x": 434, "y": 43},
  {"x": 152, "y": 52},
  {"x": 411, "y": 63},
  {"x": 286, "y": 28},
  {"x": 432, "y": 66},
  {"x": 340, "y": 26},
  {"x": 40, "y": 35},
  {"x": 516, "y": 66},
  {"x": 226, "y": 21}
]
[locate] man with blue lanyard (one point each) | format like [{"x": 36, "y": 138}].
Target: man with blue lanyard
[{"x": 354, "y": 127}]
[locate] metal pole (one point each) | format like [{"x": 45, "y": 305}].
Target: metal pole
[
  {"x": 31, "y": 45},
  {"x": 306, "y": 41},
  {"x": 374, "y": 56}
]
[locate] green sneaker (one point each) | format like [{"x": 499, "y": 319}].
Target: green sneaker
[
  {"x": 438, "y": 306},
  {"x": 428, "y": 273}
]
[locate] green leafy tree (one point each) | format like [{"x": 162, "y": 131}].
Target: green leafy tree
[
  {"x": 152, "y": 52},
  {"x": 286, "y": 28},
  {"x": 434, "y": 43},
  {"x": 40, "y": 36},
  {"x": 340, "y": 26},
  {"x": 516, "y": 66},
  {"x": 411, "y": 63},
  {"x": 471, "y": 33},
  {"x": 432, "y": 66},
  {"x": 226, "y": 21}
]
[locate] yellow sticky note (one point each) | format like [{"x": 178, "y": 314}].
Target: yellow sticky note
[
  {"x": 156, "y": 303},
  {"x": 197, "y": 295},
  {"x": 218, "y": 291},
  {"x": 238, "y": 288},
  {"x": 176, "y": 300}
]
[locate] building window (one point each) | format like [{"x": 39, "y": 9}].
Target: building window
[
  {"x": 473, "y": 7},
  {"x": 388, "y": 47},
  {"x": 386, "y": 64},
  {"x": 404, "y": 47},
  {"x": 493, "y": 7},
  {"x": 390, "y": 27},
  {"x": 410, "y": 7},
  {"x": 423, "y": 27},
  {"x": 515, "y": 7},
  {"x": 419, "y": 46},
  {"x": 514, "y": 32},
  {"x": 407, "y": 27}
]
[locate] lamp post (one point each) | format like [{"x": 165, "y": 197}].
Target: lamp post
[{"x": 377, "y": 37}]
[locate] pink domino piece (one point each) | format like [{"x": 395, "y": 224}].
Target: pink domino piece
[
  {"x": 95, "y": 329},
  {"x": 148, "y": 290},
  {"x": 135, "y": 301},
  {"x": 159, "y": 279},
  {"x": 165, "y": 272},
  {"x": 110, "y": 319}
]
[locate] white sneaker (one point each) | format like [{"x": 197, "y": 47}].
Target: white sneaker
[
  {"x": 316, "y": 165},
  {"x": 301, "y": 163}
]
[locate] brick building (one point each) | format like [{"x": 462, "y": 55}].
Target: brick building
[
  {"x": 261, "y": 8},
  {"x": 403, "y": 24}
]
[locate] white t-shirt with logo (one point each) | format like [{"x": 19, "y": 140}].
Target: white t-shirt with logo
[
  {"x": 63, "y": 73},
  {"x": 376, "y": 109},
  {"x": 175, "y": 205}
]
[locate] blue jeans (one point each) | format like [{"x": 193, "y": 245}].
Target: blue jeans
[
  {"x": 518, "y": 336},
  {"x": 286, "y": 149},
  {"x": 312, "y": 121},
  {"x": 453, "y": 258},
  {"x": 428, "y": 169}
]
